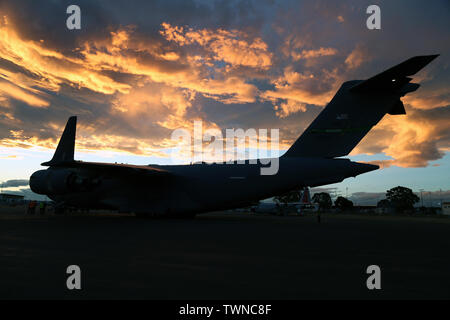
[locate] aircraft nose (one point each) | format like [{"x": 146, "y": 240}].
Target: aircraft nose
[{"x": 37, "y": 180}]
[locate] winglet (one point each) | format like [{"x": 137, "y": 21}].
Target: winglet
[{"x": 66, "y": 146}]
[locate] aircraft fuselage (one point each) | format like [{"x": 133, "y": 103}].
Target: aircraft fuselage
[{"x": 190, "y": 188}]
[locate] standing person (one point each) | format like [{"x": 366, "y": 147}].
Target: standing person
[
  {"x": 318, "y": 216},
  {"x": 32, "y": 206},
  {"x": 29, "y": 207},
  {"x": 42, "y": 208}
]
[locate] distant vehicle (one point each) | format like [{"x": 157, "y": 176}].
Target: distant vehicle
[
  {"x": 305, "y": 208},
  {"x": 185, "y": 190},
  {"x": 300, "y": 208},
  {"x": 267, "y": 207}
]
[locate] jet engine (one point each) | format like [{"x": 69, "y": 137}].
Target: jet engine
[{"x": 58, "y": 181}]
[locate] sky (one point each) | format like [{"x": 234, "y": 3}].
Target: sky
[{"x": 135, "y": 73}]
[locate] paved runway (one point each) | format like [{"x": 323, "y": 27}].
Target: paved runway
[{"x": 224, "y": 256}]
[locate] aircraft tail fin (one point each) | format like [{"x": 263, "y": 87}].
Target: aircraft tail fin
[
  {"x": 355, "y": 109},
  {"x": 66, "y": 146}
]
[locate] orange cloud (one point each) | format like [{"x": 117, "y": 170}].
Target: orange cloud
[
  {"x": 358, "y": 56},
  {"x": 286, "y": 108},
  {"x": 149, "y": 86},
  {"x": 228, "y": 46},
  {"x": 52, "y": 68},
  {"x": 427, "y": 98},
  {"x": 299, "y": 88},
  {"x": 115, "y": 56},
  {"x": 308, "y": 54},
  {"x": 87, "y": 142},
  {"x": 9, "y": 90},
  {"x": 150, "y": 64},
  {"x": 412, "y": 140}
]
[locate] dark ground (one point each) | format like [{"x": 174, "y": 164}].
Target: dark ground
[{"x": 224, "y": 256}]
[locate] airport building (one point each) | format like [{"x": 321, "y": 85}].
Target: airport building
[
  {"x": 446, "y": 208},
  {"x": 11, "y": 198}
]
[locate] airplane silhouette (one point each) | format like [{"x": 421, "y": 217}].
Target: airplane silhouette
[{"x": 185, "y": 190}]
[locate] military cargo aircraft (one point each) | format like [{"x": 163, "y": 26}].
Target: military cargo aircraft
[{"x": 185, "y": 190}]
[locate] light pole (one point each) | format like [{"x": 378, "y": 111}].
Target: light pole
[
  {"x": 421, "y": 198},
  {"x": 430, "y": 202}
]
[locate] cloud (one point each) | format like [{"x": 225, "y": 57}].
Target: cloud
[
  {"x": 309, "y": 54},
  {"x": 412, "y": 140},
  {"x": 288, "y": 107},
  {"x": 366, "y": 198},
  {"x": 48, "y": 68},
  {"x": 428, "y": 98},
  {"x": 128, "y": 53},
  {"x": 383, "y": 164},
  {"x": 138, "y": 65},
  {"x": 8, "y": 90},
  {"x": 133, "y": 78},
  {"x": 303, "y": 88},
  {"x": 357, "y": 57},
  {"x": 233, "y": 47}
]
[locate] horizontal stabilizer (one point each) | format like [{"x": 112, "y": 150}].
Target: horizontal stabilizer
[
  {"x": 355, "y": 109},
  {"x": 396, "y": 77}
]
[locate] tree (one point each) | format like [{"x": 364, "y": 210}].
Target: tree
[
  {"x": 401, "y": 198},
  {"x": 291, "y": 196},
  {"x": 343, "y": 203},
  {"x": 323, "y": 199},
  {"x": 384, "y": 203}
]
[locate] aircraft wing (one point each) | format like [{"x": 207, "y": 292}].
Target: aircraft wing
[{"x": 118, "y": 168}]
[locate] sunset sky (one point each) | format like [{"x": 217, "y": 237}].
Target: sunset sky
[{"x": 137, "y": 70}]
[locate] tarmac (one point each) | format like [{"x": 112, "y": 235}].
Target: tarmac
[{"x": 224, "y": 255}]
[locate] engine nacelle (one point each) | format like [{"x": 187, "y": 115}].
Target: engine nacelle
[{"x": 57, "y": 181}]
